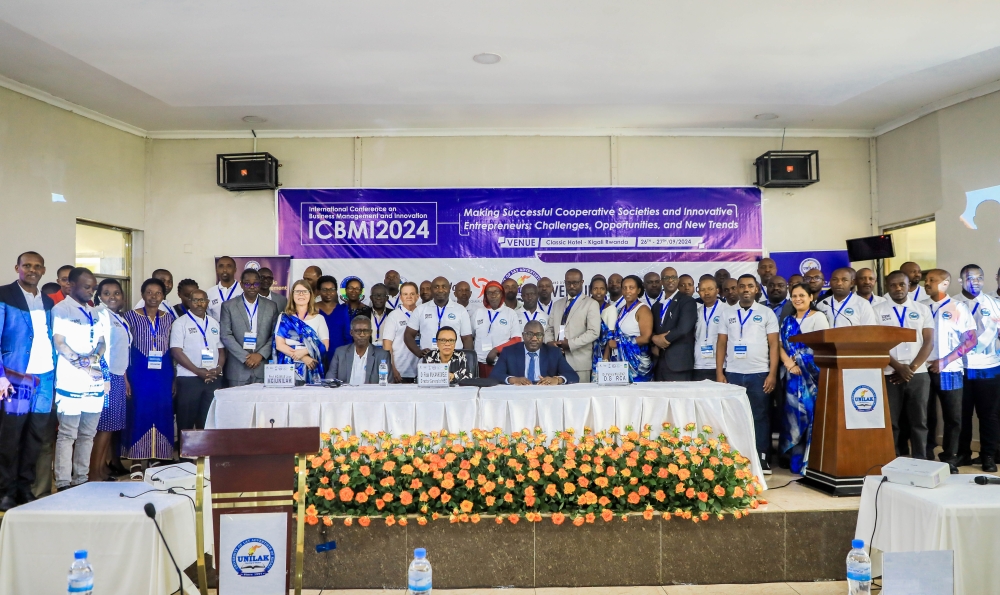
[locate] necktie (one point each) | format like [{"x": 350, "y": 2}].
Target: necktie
[{"x": 531, "y": 365}]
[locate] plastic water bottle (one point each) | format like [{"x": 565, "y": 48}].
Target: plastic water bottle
[
  {"x": 859, "y": 569},
  {"x": 383, "y": 374},
  {"x": 419, "y": 574},
  {"x": 81, "y": 575}
]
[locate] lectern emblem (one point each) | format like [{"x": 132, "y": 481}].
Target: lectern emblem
[
  {"x": 253, "y": 557},
  {"x": 863, "y": 398}
]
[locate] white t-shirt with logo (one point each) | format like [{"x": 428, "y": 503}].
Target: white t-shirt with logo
[
  {"x": 82, "y": 327},
  {"x": 494, "y": 328},
  {"x": 393, "y": 329},
  {"x": 524, "y": 317},
  {"x": 876, "y": 300},
  {"x": 428, "y": 318},
  {"x": 186, "y": 333},
  {"x": 985, "y": 310},
  {"x": 909, "y": 314},
  {"x": 378, "y": 325},
  {"x": 853, "y": 311},
  {"x": 747, "y": 345},
  {"x": 218, "y": 294},
  {"x": 951, "y": 319},
  {"x": 706, "y": 334}
]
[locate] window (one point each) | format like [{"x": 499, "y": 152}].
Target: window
[
  {"x": 107, "y": 251},
  {"x": 915, "y": 241}
]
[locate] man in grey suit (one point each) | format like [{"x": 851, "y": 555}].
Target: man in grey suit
[
  {"x": 574, "y": 325},
  {"x": 247, "y": 331},
  {"x": 266, "y": 280},
  {"x": 357, "y": 363}
]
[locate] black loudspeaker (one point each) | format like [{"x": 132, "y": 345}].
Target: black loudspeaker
[
  {"x": 247, "y": 171},
  {"x": 873, "y": 248},
  {"x": 787, "y": 169}
]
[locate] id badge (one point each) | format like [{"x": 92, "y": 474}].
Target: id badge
[
  {"x": 249, "y": 341},
  {"x": 154, "y": 360},
  {"x": 434, "y": 341},
  {"x": 740, "y": 351},
  {"x": 562, "y": 332},
  {"x": 708, "y": 351},
  {"x": 207, "y": 359}
]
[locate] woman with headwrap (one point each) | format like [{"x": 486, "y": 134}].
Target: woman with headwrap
[
  {"x": 494, "y": 324},
  {"x": 353, "y": 293}
]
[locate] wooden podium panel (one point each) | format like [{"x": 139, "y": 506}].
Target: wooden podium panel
[{"x": 840, "y": 458}]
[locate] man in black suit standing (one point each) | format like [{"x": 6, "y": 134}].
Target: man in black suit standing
[
  {"x": 674, "y": 321},
  {"x": 533, "y": 362}
]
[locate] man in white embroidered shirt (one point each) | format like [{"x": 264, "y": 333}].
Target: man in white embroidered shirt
[
  {"x": 357, "y": 363},
  {"x": 843, "y": 307},
  {"x": 196, "y": 345},
  {"x": 81, "y": 336},
  {"x": 533, "y": 362}
]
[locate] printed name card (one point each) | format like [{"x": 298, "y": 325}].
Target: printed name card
[
  {"x": 432, "y": 375},
  {"x": 612, "y": 374},
  {"x": 279, "y": 375}
]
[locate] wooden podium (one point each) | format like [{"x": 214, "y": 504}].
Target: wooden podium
[
  {"x": 252, "y": 472},
  {"x": 839, "y": 458}
]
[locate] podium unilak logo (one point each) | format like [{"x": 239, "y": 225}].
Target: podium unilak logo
[
  {"x": 253, "y": 557},
  {"x": 863, "y": 398}
]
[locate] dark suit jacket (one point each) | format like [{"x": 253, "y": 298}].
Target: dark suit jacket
[
  {"x": 235, "y": 321},
  {"x": 551, "y": 362},
  {"x": 679, "y": 319},
  {"x": 342, "y": 363},
  {"x": 17, "y": 335}
]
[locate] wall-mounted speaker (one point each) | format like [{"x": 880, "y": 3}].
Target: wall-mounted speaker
[
  {"x": 787, "y": 169},
  {"x": 247, "y": 171}
]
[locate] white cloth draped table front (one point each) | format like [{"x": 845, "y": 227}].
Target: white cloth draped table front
[{"x": 37, "y": 540}]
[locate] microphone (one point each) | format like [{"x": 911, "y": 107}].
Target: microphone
[
  {"x": 984, "y": 480},
  {"x": 151, "y": 513}
]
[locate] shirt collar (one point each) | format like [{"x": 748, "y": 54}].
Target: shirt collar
[
  {"x": 28, "y": 296},
  {"x": 363, "y": 355}
]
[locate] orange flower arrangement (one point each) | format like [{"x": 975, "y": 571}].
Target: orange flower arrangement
[{"x": 686, "y": 473}]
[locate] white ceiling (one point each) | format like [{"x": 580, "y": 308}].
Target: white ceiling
[{"x": 168, "y": 65}]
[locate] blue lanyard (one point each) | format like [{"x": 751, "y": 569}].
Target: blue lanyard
[
  {"x": 249, "y": 315},
  {"x": 663, "y": 312},
  {"x": 440, "y": 313},
  {"x": 618, "y": 302},
  {"x": 154, "y": 329},
  {"x": 378, "y": 324},
  {"x": 871, "y": 299},
  {"x": 901, "y": 318},
  {"x": 407, "y": 313},
  {"x": 934, "y": 312},
  {"x": 739, "y": 314},
  {"x": 777, "y": 309},
  {"x": 232, "y": 290},
  {"x": 492, "y": 318},
  {"x": 799, "y": 322},
  {"x": 533, "y": 317},
  {"x": 650, "y": 303},
  {"x": 974, "y": 308},
  {"x": 90, "y": 319},
  {"x": 708, "y": 315},
  {"x": 622, "y": 316},
  {"x": 392, "y": 305},
  {"x": 203, "y": 331},
  {"x": 916, "y": 293},
  {"x": 124, "y": 324},
  {"x": 834, "y": 309},
  {"x": 548, "y": 311}
]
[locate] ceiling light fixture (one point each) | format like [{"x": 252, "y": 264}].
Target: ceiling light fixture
[
  {"x": 254, "y": 119},
  {"x": 766, "y": 117},
  {"x": 486, "y": 58}
]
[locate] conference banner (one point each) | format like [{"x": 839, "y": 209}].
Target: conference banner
[{"x": 482, "y": 234}]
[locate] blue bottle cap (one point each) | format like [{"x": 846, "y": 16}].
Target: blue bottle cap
[
  {"x": 858, "y": 544},
  {"x": 80, "y": 554},
  {"x": 420, "y": 553}
]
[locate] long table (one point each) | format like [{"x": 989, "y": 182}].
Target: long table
[
  {"x": 37, "y": 540},
  {"x": 406, "y": 409}
]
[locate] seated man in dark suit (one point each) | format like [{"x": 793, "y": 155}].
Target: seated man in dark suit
[
  {"x": 357, "y": 363},
  {"x": 533, "y": 362}
]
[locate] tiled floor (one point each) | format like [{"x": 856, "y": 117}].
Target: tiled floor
[{"x": 824, "y": 588}]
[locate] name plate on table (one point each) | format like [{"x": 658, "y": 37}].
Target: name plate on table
[
  {"x": 432, "y": 375},
  {"x": 612, "y": 374},
  {"x": 279, "y": 375}
]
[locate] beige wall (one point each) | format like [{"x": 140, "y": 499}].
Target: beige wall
[
  {"x": 190, "y": 219},
  {"x": 926, "y": 167},
  {"x": 45, "y": 150}
]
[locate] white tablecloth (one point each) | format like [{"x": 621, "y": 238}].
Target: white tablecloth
[
  {"x": 37, "y": 541},
  {"x": 958, "y": 515},
  {"x": 398, "y": 409},
  {"x": 725, "y": 407}
]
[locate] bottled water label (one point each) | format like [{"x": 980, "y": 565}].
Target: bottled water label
[
  {"x": 82, "y": 587},
  {"x": 420, "y": 585},
  {"x": 859, "y": 574}
]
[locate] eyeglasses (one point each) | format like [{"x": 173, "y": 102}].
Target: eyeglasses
[
  {"x": 301, "y": 292},
  {"x": 362, "y": 331},
  {"x": 199, "y": 300},
  {"x": 533, "y": 335},
  {"x": 246, "y": 284},
  {"x": 447, "y": 341}
]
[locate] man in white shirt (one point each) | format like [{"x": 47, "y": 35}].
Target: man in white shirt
[
  {"x": 380, "y": 311},
  {"x": 266, "y": 281},
  {"x": 196, "y": 346},
  {"x": 431, "y": 316},
  {"x": 81, "y": 336},
  {"x": 907, "y": 381},
  {"x": 711, "y": 311},
  {"x": 358, "y": 362},
  {"x": 615, "y": 297},
  {"x": 404, "y": 363},
  {"x": 168, "y": 283},
  {"x": 981, "y": 390},
  {"x": 652, "y": 287},
  {"x": 747, "y": 350},
  {"x": 912, "y": 270},
  {"x": 766, "y": 268},
  {"x": 226, "y": 289},
  {"x": 495, "y": 324},
  {"x": 843, "y": 307},
  {"x": 866, "y": 287},
  {"x": 529, "y": 309},
  {"x": 545, "y": 291},
  {"x": 954, "y": 336},
  {"x": 391, "y": 282},
  {"x": 463, "y": 293}
]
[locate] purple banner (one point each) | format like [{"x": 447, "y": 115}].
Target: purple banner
[
  {"x": 279, "y": 265},
  {"x": 550, "y": 224}
]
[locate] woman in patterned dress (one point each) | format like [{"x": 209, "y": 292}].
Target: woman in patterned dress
[{"x": 112, "y": 299}]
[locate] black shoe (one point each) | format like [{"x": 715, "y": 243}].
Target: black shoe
[
  {"x": 63, "y": 489},
  {"x": 765, "y": 467},
  {"x": 963, "y": 461},
  {"x": 7, "y": 503},
  {"x": 25, "y": 497},
  {"x": 989, "y": 465},
  {"x": 976, "y": 461}
]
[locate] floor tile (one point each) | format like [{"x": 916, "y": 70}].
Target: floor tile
[
  {"x": 750, "y": 589},
  {"x": 820, "y": 588},
  {"x": 483, "y": 592},
  {"x": 648, "y": 590}
]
